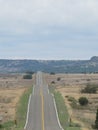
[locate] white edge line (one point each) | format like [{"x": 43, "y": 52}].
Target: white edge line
[
  {"x": 28, "y": 112},
  {"x": 48, "y": 89},
  {"x": 56, "y": 112},
  {"x": 33, "y": 89},
  {"x": 28, "y": 109}
]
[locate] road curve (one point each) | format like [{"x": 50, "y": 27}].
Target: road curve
[{"x": 42, "y": 113}]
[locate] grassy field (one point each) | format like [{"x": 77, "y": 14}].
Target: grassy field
[
  {"x": 20, "y": 113},
  {"x": 63, "y": 113}
]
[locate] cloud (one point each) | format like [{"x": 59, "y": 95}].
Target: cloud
[
  {"x": 73, "y": 22},
  {"x": 49, "y": 12}
]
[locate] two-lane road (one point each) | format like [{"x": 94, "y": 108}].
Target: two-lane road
[{"x": 42, "y": 113}]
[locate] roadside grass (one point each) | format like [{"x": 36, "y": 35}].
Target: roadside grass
[
  {"x": 21, "y": 112},
  {"x": 63, "y": 112},
  {"x": 7, "y": 125},
  {"x": 73, "y": 128}
]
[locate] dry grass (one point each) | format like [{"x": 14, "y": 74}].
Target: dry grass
[
  {"x": 11, "y": 89},
  {"x": 70, "y": 85}
]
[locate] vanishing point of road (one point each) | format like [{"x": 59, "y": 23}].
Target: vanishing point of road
[{"x": 42, "y": 114}]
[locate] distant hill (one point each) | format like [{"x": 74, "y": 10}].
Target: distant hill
[
  {"x": 94, "y": 58},
  {"x": 57, "y": 66}
]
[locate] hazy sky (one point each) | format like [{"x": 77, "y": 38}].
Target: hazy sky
[{"x": 48, "y": 29}]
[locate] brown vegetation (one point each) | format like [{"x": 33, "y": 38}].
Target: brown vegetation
[
  {"x": 11, "y": 88},
  {"x": 70, "y": 86}
]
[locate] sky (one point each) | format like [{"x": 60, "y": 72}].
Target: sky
[{"x": 48, "y": 29}]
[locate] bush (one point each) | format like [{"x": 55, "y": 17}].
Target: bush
[
  {"x": 83, "y": 101},
  {"x": 73, "y": 102},
  {"x": 96, "y": 121},
  {"x": 90, "y": 88},
  {"x": 72, "y": 99},
  {"x": 0, "y": 125},
  {"x": 58, "y": 79},
  {"x": 27, "y": 76},
  {"x": 52, "y": 73},
  {"x": 53, "y": 82}
]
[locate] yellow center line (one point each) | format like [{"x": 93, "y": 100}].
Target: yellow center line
[{"x": 42, "y": 100}]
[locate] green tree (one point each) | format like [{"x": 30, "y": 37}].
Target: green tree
[
  {"x": 27, "y": 76},
  {"x": 90, "y": 88},
  {"x": 96, "y": 121},
  {"x": 83, "y": 101}
]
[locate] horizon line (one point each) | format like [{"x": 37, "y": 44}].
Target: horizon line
[{"x": 39, "y": 59}]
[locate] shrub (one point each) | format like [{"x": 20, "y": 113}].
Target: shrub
[
  {"x": 52, "y": 73},
  {"x": 83, "y": 101},
  {"x": 27, "y": 76},
  {"x": 73, "y": 102},
  {"x": 58, "y": 79},
  {"x": 96, "y": 121},
  {"x": 53, "y": 82},
  {"x": 72, "y": 99},
  {"x": 0, "y": 126},
  {"x": 90, "y": 88}
]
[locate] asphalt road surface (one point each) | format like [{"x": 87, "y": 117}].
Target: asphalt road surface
[{"x": 42, "y": 113}]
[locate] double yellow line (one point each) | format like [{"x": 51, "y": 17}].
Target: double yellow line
[{"x": 42, "y": 100}]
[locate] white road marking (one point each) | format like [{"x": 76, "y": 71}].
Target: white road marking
[
  {"x": 33, "y": 89},
  {"x": 28, "y": 112},
  {"x": 57, "y": 113},
  {"x": 47, "y": 89}
]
